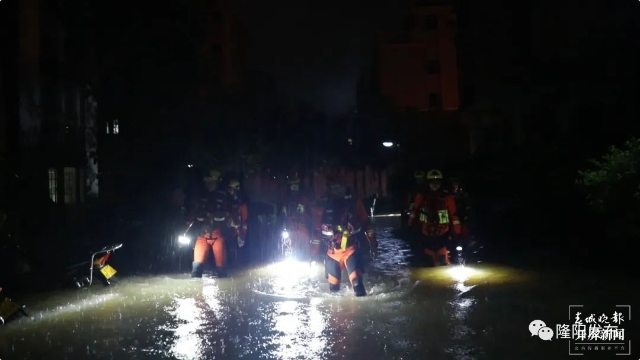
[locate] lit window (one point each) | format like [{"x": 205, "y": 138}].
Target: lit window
[
  {"x": 70, "y": 185},
  {"x": 108, "y": 127},
  {"x": 116, "y": 127},
  {"x": 53, "y": 185}
]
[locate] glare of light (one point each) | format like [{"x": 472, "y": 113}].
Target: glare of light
[
  {"x": 387, "y": 215},
  {"x": 190, "y": 165},
  {"x": 459, "y": 248},
  {"x": 285, "y": 234},
  {"x": 293, "y": 269},
  {"x": 188, "y": 343},
  {"x": 184, "y": 240},
  {"x": 461, "y": 273},
  {"x": 387, "y": 144},
  {"x": 211, "y": 294},
  {"x": 301, "y": 330}
]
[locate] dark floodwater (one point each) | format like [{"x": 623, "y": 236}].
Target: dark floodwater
[{"x": 284, "y": 311}]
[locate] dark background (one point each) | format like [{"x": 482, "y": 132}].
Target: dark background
[{"x": 565, "y": 72}]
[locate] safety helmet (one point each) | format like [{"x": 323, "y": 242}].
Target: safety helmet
[
  {"x": 213, "y": 176},
  {"x": 434, "y": 175},
  {"x": 234, "y": 184},
  {"x": 419, "y": 174}
]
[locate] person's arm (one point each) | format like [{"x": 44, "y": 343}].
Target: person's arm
[
  {"x": 453, "y": 216},
  {"x": 363, "y": 218}
]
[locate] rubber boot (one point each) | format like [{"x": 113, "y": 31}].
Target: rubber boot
[
  {"x": 334, "y": 287},
  {"x": 197, "y": 269},
  {"x": 358, "y": 287}
]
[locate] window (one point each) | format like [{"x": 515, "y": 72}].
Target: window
[
  {"x": 69, "y": 185},
  {"x": 113, "y": 127},
  {"x": 431, "y": 22},
  {"x": 433, "y": 67},
  {"x": 53, "y": 185},
  {"x": 435, "y": 101}
]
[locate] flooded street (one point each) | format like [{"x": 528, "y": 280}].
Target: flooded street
[{"x": 284, "y": 311}]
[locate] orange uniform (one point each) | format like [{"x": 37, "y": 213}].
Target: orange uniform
[
  {"x": 350, "y": 223},
  {"x": 434, "y": 213},
  {"x": 212, "y": 222}
]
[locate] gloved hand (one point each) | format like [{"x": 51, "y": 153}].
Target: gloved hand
[
  {"x": 240, "y": 241},
  {"x": 373, "y": 253}
]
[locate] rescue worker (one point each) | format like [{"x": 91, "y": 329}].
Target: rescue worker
[
  {"x": 463, "y": 207},
  {"x": 296, "y": 216},
  {"x": 434, "y": 212},
  {"x": 239, "y": 213},
  {"x": 211, "y": 223},
  {"x": 417, "y": 187},
  {"x": 351, "y": 224},
  {"x": 321, "y": 212}
]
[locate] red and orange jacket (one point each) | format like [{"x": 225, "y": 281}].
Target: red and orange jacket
[{"x": 435, "y": 212}]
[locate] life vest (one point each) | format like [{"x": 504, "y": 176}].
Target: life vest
[
  {"x": 434, "y": 215},
  {"x": 339, "y": 219},
  {"x": 213, "y": 208}
]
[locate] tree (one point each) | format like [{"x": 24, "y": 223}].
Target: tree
[{"x": 612, "y": 184}]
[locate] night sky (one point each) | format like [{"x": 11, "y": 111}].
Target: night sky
[{"x": 316, "y": 50}]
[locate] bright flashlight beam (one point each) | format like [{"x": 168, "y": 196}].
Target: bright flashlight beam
[
  {"x": 183, "y": 239},
  {"x": 459, "y": 248},
  {"x": 285, "y": 234},
  {"x": 294, "y": 269},
  {"x": 461, "y": 273},
  {"x": 387, "y": 144}
]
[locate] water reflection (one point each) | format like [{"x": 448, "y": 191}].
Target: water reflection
[
  {"x": 290, "y": 279},
  {"x": 211, "y": 294},
  {"x": 192, "y": 314},
  {"x": 187, "y": 344},
  {"x": 300, "y": 330},
  {"x": 461, "y": 274}
]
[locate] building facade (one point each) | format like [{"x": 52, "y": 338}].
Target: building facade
[
  {"x": 54, "y": 116},
  {"x": 418, "y": 66},
  {"x": 218, "y": 47}
]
